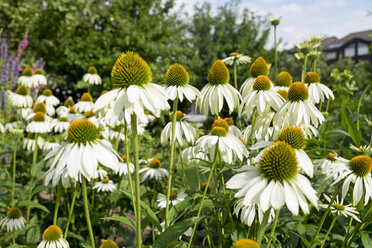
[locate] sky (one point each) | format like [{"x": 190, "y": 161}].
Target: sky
[{"x": 303, "y": 18}]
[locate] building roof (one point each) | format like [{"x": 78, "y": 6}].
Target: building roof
[{"x": 333, "y": 42}]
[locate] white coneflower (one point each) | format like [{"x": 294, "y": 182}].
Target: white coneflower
[
  {"x": 50, "y": 144},
  {"x": 295, "y": 137},
  {"x": 39, "y": 77},
  {"x": 359, "y": 172},
  {"x": 153, "y": 170},
  {"x": 55, "y": 178},
  {"x": 274, "y": 182},
  {"x": 53, "y": 238},
  {"x": 261, "y": 97},
  {"x": 182, "y": 129},
  {"x": 332, "y": 165},
  {"x": 177, "y": 82},
  {"x": 123, "y": 167},
  {"x": 115, "y": 132},
  {"x": 39, "y": 124},
  {"x": 86, "y": 103},
  {"x": 63, "y": 110},
  {"x": 40, "y": 107},
  {"x": 108, "y": 243},
  {"x": 100, "y": 173},
  {"x": 228, "y": 144},
  {"x": 92, "y": 76},
  {"x": 91, "y": 116},
  {"x": 193, "y": 154},
  {"x": 2, "y": 128},
  {"x": 174, "y": 198},
  {"x": 29, "y": 142},
  {"x": 259, "y": 67},
  {"x": 233, "y": 129},
  {"x": 27, "y": 79},
  {"x": 72, "y": 115},
  {"x": 248, "y": 213},
  {"x": 318, "y": 92},
  {"x": 21, "y": 98},
  {"x": 340, "y": 209},
  {"x": 60, "y": 125},
  {"x": 361, "y": 149},
  {"x": 263, "y": 127},
  {"x": 283, "y": 81},
  {"x": 48, "y": 98},
  {"x": 245, "y": 243},
  {"x": 105, "y": 185},
  {"x": 12, "y": 122},
  {"x": 131, "y": 77},
  {"x": 239, "y": 59},
  {"x": 217, "y": 90},
  {"x": 13, "y": 221},
  {"x": 24, "y": 112},
  {"x": 298, "y": 110},
  {"x": 82, "y": 151}
]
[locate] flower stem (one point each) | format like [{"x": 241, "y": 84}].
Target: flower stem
[
  {"x": 57, "y": 203},
  {"x": 325, "y": 215},
  {"x": 235, "y": 77},
  {"x": 273, "y": 228},
  {"x": 13, "y": 234},
  {"x": 263, "y": 226},
  {"x": 329, "y": 230},
  {"x": 136, "y": 172},
  {"x": 70, "y": 211},
  {"x": 204, "y": 194},
  {"x": 183, "y": 166},
  {"x": 14, "y": 170},
  {"x": 174, "y": 119},
  {"x": 276, "y": 53},
  {"x": 129, "y": 174},
  {"x": 304, "y": 69},
  {"x": 314, "y": 63},
  {"x": 86, "y": 209},
  {"x": 32, "y": 174}
]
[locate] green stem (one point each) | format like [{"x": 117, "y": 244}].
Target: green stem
[
  {"x": 251, "y": 135},
  {"x": 204, "y": 194},
  {"x": 273, "y": 228},
  {"x": 86, "y": 209},
  {"x": 32, "y": 174},
  {"x": 304, "y": 69},
  {"x": 359, "y": 104},
  {"x": 263, "y": 226},
  {"x": 325, "y": 215},
  {"x": 329, "y": 230},
  {"x": 117, "y": 141},
  {"x": 57, "y": 203},
  {"x": 183, "y": 166},
  {"x": 136, "y": 172},
  {"x": 227, "y": 201},
  {"x": 235, "y": 77},
  {"x": 71, "y": 211},
  {"x": 129, "y": 174},
  {"x": 358, "y": 227},
  {"x": 13, "y": 234},
  {"x": 92, "y": 204},
  {"x": 14, "y": 170},
  {"x": 276, "y": 53},
  {"x": 314, "y": 63},
  {"x": 198, "y": 176},
  {"x": 174, "y": 119}
]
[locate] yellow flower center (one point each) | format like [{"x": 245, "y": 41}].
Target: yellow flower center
[
  {"x": 82, "y": 131},
  {"x": 109, "y": 244},
  {"x": 69, "y": 103},
  {"x": 11, "y": 118},
  {"x": 30, "y": 135},
  {"x": 176, "y": 75},
  {"x": 52, "y": 233},
  {"x": 22, "y": 90},
  {"x": 283, "y": 93},
  {"x": 52, "y": 140},
  {"x": 39, "y": 71},
  {"x": 38, "y": 117},
  {"x": 204, "y": 185},
  {"x": 275, "y": 22},
  {"x": 218, "y": 73},
  {"x": 130, "y": 69},
  {"x": 86, "y": 97},
  {"x": 27, "y": 72},
  {"x": 89, "y": 114},
  {"x": 179, "y": 116},
  {"x": 234, "y": 54},
  {"x": 105, "y": 181},
  {"x": 155, "y": 163},
  {"x": 259, "y": 67},
  {"x": 312, "y": 77},
  {"x": 284, "y": 79},
  {"x": 219, "y": 131},
  {"x": 92, "y": 70},
  {"x": 261, "y": 83},
  {"x": 279, "y": 162},
  {"x": 39, "y": 107},
  {"x": 361, "y": 165},
  {"x": 293, "y": 136},
  {"x": 47, "y": 92},
  {"x": 63, "y": 119},
  {"x": 117, "y": 128},
  {"x": 124, "y": 157},
  {"x": 331, "y": 156},
  {"x": 298, "y": 92},
  {"x": 338, "y": 207},
  {"x": 71, "y": 110},
  {"x": 14, "y": 213},
  {"x": 221, "y": 123},
  {"x": 173, "y": 196},
  {"x": 245, "y": 243}
]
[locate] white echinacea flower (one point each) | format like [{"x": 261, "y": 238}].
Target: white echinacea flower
[
  {"x": 237, "y": 58},
  {"x": 174, "y": 198},
  {"x": 53, "y": 238},
  {"x": 39, "y": 77},
  {"x": 153, "y": 170},
  {"x": 318, "y": 92},
  {"x": 340, "y": 209},
  {"x": 259, "y": 67},
  {"x": 39, "y": 124},
  {"x": 92, "y": 76},
  {"x": 105, "y": 185},
  {"x": 13, "y": 221},
  {"x": 27, "y": 79},
  {"x": 182, "y": 129},
  {"x": 48, "y": 98},
  {"x": 123, "y": 167},
  {"x": 86, "y": 103},
  {"x": 21, "y": 98}
]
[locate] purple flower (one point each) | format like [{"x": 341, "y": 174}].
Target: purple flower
[
  {"x": 4, "y": 160},
  {"x": 5, "y": 73},
  {"x": 19, "y": 52},
  {"x": 3, "y": 98},
  {"x": 4, "y": 50},
  {"x": 40, "y": 63},
  {"x": 7, "y": 147}
]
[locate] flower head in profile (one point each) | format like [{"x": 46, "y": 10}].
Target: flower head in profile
[
  {"x": 232, "y": 128},
  {"x": 134, "y": 92},
  {"x": 283, "y": 81},
  {"x": 92, "y": 76},
  {"x": 11, "y": 123},
  {"x": 177, "y": 84},
  {"x": 86, "y": 103},
  {"x": 13, "y": 221},
  {"x": 340, "y": 209},
  {"x": 60, "y": 124},
  {"x": 298, "y": 110},
  {"x": 248, "y": 213},
  {"x": 153, "y": 170},
  {"x": 228, "y": 144},
  {"x": 39, "y": 77},
  {"x": 52, "y": 238},
  {"x": 48, "y": 98},
  {"x": 332, "y": 165},
  {"x": 239, "y": 59},
  {"x": 218, "y": 90},
  {"x": 21, "y": 98},
  {"x": 27, "y": 79},
  {"x": 50, "y": 144},
  {"x": 82, "y": 152},
  {"x": 39, "y": 124},
  {"x": 105, "y": 185},
  {"x": 358, "y": 171},
  {"x": 245, "y": 243},
  {"x": 275, "y": 21},
  {"x": 174, "y": 198},
  {"x": 361, "y": 149},
  {"x": 258, "y": 68},
  {"x": 274, "y": 182},
  {"x": 123, "y": 166},
  {"x": 108, "y": 243},
  {"x": 30, "y": 141},
  {"x": 183, "y": 129},
  {"x": 318, "y": 92}
]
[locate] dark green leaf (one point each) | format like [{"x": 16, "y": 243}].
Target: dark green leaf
[
  {"x": 176, "y": 211},
  {"x": 122, "y": 219},
  {"x": 27, "y": 203}
]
